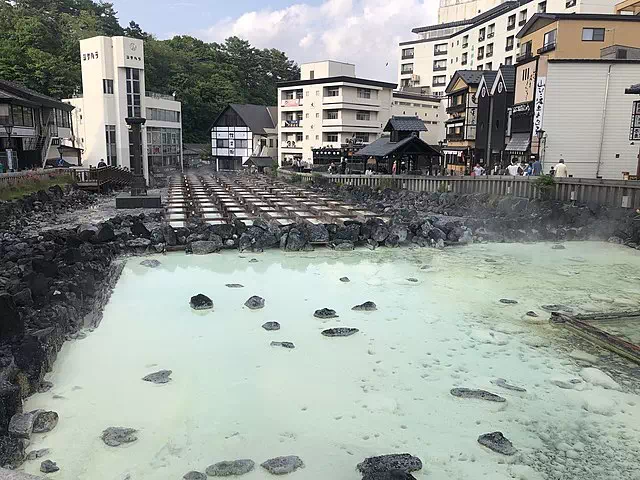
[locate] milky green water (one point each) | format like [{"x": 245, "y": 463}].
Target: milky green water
[{"x": 335, "y": 401}]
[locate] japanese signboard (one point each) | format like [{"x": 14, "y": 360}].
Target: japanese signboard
[
  {"x": 538, "y": 107},
  {"x": 634, "y": 133}
]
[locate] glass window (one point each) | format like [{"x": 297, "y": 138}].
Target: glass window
[
  {"x": 550, "y": 37},
  {"x": 542, "y": 7},
  {"x": 523, "y": 17},
  {"x": 481, "y": 34},
  {"x": 511, "y": 22},
  {"x": 489, "y": 50},
  {"x": 407, "y": 53},
  {"x": 112, "y": 151},
  {"x": 299, "y": 137},
  {"x": 242, "y": 143},
  {"x": 593, "y": 34},
  {"x": 332, "y": 115},
  {"x": 333, "y": 91},
  {"x": 509, "y": 43},
  {"x": 439, "y": 65},
  {"x": 465, "y": 41},
  {"x": 440, "y": 49},
  {"x": 407, "y": 68},
  {"x": 332, "y": 138},
  {"x": 480, "y": 53},
  {"x": 362, "y": 137},
  {"x": 464, "y": 58},
  {"x": 508, "y": 61},
  {"x": 363, "y": 116},
  {"x": 491, "y": 30},
  {"x": 439, "y": 80},
  {"x": 133, "y": 92},
  {"x": 107, "y": 86},
  {"x": 488, "y": 66},
  {"x": 364, "y": 93}
]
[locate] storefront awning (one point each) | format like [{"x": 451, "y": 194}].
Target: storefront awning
[{"x": 519, "y": 143}]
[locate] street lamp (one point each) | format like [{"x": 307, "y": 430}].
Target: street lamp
[{"x": 6, "y": 120}]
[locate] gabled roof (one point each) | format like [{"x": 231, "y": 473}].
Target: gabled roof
[
  {"x": 339, "y": 79},
  {"x": 19, "y": 94},
  {"x": 470, "y": 77},
  {"x": 506, "y": 74},
  {"x": 260, "y": 161},
  {"x": 405, "y": 124},
  {"x": 487, "y": 79},
  {"x": 540, "y": 20},
  {"x": 383, "y": 146},
  {"x": 256, "y": 117},
  {"x": 633, "y": 89}
]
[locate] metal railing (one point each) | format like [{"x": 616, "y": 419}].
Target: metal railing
[
  {"x": 160, "y": 96},
  {"x": 611, "y": 193},
  {"x": 96, "y": 178}
]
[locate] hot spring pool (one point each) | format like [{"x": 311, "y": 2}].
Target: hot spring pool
[{"x": 335, "y": 401}]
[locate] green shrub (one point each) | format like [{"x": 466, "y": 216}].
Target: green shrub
[
  {"x": 296, "y": 178},
  {"x": 442, "y": 188},
  {"x": 545, "y": 185},
  {"x": 385, "y": 183}
]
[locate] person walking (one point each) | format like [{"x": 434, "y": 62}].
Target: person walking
[
  {"x": 514, "y": 168},
  {"x": 478, "y": 170},
  {"x": 536, "y": 168},
  {"x": 561, "y": 169}
]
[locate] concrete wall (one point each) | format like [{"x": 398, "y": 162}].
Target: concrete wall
[
  {"x": 325, "y": 69},
  {"x": 574, "y": 120}
]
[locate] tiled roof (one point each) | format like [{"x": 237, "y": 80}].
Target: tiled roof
[
  {"x": 405, "y": 124},
  {"x": 19, "y": 93},
  {"x": 384, "y": 146}
]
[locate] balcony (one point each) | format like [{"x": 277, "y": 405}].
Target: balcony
[
  {"x": 439, "y": 68},
  {"x": 292, "y": 124},
  {"x": 465, "y": 45},
  {"x": 455, "y": 137},
  {"x": 522, "y": 22},
  {"x": 490, "y": 35},
  {"x": 524, "y": 56},
  {"x": 291, "y": 102},
  {"x": 407, "y": 71},
  {"x": 549, "y": 47},
  {"x": 511, "y": 26},
  {"x": 508, "y": 48},
  {"x": 456, "y": 108},
  {"x": 291, "y": 145},
  {"x": 407, "y": 56},
  {"x": 439, "y": 52}
]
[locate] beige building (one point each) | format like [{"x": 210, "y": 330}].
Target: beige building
[
  {"x": 428, "y": 108},
  {"x": 484, "y": 41},
  {"x": 328, "y": 107}
]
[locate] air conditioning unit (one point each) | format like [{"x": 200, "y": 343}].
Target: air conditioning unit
[{"x": 415, "y": 78}]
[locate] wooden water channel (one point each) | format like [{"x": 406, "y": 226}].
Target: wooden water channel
[{"x": 227, "y": 198}]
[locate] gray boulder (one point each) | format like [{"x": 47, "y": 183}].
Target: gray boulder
[
  {"x": 231, "y": 467},
  {"x": 365, "y": 307},
  {"x": 283, "y": 465},
  {"x": 340, "y": 332},
  {"x": 11, "y": 451},
  {"x": 501, "y": 382},
  {"x": 254, "y": 303},
  {"x": 193, "y": 475},
  {"x": 497, "y": 442},
  {"x": 49, "y": 466},
  {"x": 139, "y": 243},
  {"x": 295, "y": 240},
  {"x": 325, "y": 313},
  {"x": 157, "y": 236},
  {"x": 201, "y": 302},
  {"x": 379, "y": 232},
  {"x": 389, "y": 475},
  {"x": 150, "y": 263},
  {"x": 350, "y": 232},
  {"x": 86, "y": 232},
  {"x": 392, "y": 241},
  {"x": 45, "y": 421},
  {"x": 12, "y": 323},
  {"x": 400, "y": 231},
  {"x": 476, "y": 394},
  {"x": 35, "y": 454},
  {"x": 170, "y": 237},
  {"x": 344, "y": 279},
  {"x": 21, "y": 424},
  {"x": 160, "y": 377},
  {"x": 508, "y": 301},
  {"x": 403, "y": 462},
  {"x": 116, "y": 436},
  {"x": 234, "y": 285},
  {"x": 271, "y": 326},
  {"x": 345, "y": 246},
  {"x": 205, "y": 247},
  {"x": 283, "y": 344},
  {"x": 104, "y": 234},
  {"x": 318, "y": 234}
]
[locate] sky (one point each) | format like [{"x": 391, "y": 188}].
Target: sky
[{"x": 363, "y": 32}]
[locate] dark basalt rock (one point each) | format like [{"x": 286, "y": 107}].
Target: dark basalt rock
[
  {"x": 325, "y": 313},
  {"x": 254, "y": 303},
  {"x": 340, "y": 332},
  {"x": 150, "y": 263},
  {"x": 558, "y": 247},
  {"x": 501, "y": 382},
  {"x": 254, "y": 260},
  {"x": 389, "y": 475},
  {"x": 344, "y": 279},
  {"x": 283, "y": 344},
  {"x": 497, "y": 442},
  {"x": 532, "y": 314},
  {"x": 163, "y": 376},
  {"x": 557, "y": 307},
  {"x": 35, "y": 454},
  {"x": 49, "y": 467},
  {"x": 12, "y": 323},
  {"x": 271, "y": 326},
  {"x": 476, "y": 394},
  {"x": 11, "y": 451},
  {"x": 283, "y": 465},
  {"x": 21, "y": 424},
  {"x": 344, "y": 246},
  {"x": 234, "y": 285},
  {"x": 45, "y": 421},
  {"x": 229, "y": 468},
  {"x": 205, "y": 247},
  {"x": 412, "y": 280},
  {"x": 403, "y": 462},
  {"x": 116, "y": 436},
  {"x": 201, "y": 302},
  {"x": 507, "y": 301},
  {"x": 365, "y": 307},
  {"x": 193, "y": 475}
]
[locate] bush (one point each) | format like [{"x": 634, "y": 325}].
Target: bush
[
  {"x": 385, "y": 183},
  {"x": 296, "y": 178},
  {"x": 545, "y": 185},
  {"x": 442, "y": 188}
]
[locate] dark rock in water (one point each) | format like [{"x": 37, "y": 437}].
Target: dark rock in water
[
  {"x": 35, "y": 454},
  {"x": 325, "y": 313},
  {"x": 477, "y": 394},
  {"x": 158, "y": 377},
  {"x": 345, "y": 246},
  {"x": 254, "y": 303},
  {"x": 104, "y": 234},
  {"x": 193, "y": 475},
  {"x": 389, "y": 475},
  {"x": 497, "y": 442},
  {"x": 205, "y": 247},
  {"x": 340, "y": 332},
  {"x": 11, "y": 451},
  {"x": 271, "y": 326},
  {"x": 403, "y": 462},
  {"x": 558, "y": 247},
  {"x": 283, "y": 344},
  {"x": 49, "y": 467},
  {"x": 45, "y": 421},
  {"x": 21, "y": 424},
  {"x": 228, "y": 468},
  {"x": 116, "y": 436},
  {"x": 254, "y": 260},
  {"x": 283, "y": 465},
  {"x": 12, "y": 323},
  {"x": 557, "y": 308},
  {"x": 507, "y": 301},
  {"x": 345, "y": 279},
  {"x": 45, "y": 386},
  {"x": 501, "y": 382},
  {"x": 366, "y": 307},
  {"x": 201, "y": 302},
  {"x": 490, "y": 260},
  {"x": 318, "y": 234},
  {"x": 234, "y": 285},
  {"x": 151, "y": 263},
  {"x": 533, "y": 314},
  {"x": 412, "y": 280}
]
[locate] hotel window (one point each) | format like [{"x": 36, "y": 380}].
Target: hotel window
[
  {"x": 593, "y": 34},
  {"x": 508, "y": 61},
  {"x": 317, "y": 137},
  {"x": 481, "y": 34},
  {"x": 318, "y": 115},
  {"x": 480, "y": 53},
  {"x": 440, "y": 49},
  {"x": 242, "y": 144},
  {"x": 407, "y": 68},
  {"x": 489, "y": 50},
  {"x": 298, "y": 95},
  {"x": 299, "y": 137},
  {"x": 288, "y": 95},
  {"x": 332, "y": 115},
  {"x": 307, "y": 137},
  {"x": 464, "y": 59},
  {"x": 363, "y": 116},
  {"x": 333, "y": 92},
  {"x": 271, "y": 143},
  {"x": 488, "y": 66},
  {"x": 439, "y": 65},
  {"x": 465, "y": 41},
  {"x": 550, "y": 38},
  {"x": 162, "y": 115},
  {"x": 133, "y": 93},
  {"x": 491, "y": 30},
  {"x": 511, "y": 22},
  {"x": 112, "y": 151},
  {"x": 407, "y": 53},
  {"x": 479, "y": 67},
  {"x": 22, "y": 116},
  {"x": 222, "y": 143},
  {"x": 542, "y": 7},
  {"x": 312, "y": 75},
  {"x": 364, "y": 93},
  {"x": 163, "y": 146},
  {"x": 509, "y": 46},
  {"x": 523, "y": 17},
  {"x": 362, "y": 137},
  {"x": 332, "y": 138},
  {"x": 439, "y": 80},
  {"x": 107, "y": 86}
]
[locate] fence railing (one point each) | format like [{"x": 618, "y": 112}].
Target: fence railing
[
  {"x": 10, "y": 179},
  {"x": 612, "y": 193},
  {"x": 94, "y": 178}
]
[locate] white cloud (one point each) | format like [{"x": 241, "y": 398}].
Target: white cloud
[{"x": 363, "y": 32}]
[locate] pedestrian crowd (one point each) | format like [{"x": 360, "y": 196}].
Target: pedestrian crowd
[{"x": 523, "y": 169}]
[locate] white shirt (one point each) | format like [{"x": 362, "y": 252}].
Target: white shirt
[
  {"x": 478, "y": 171},
  {"x": 561, "y": 170},
  {"x": 513, "y": 170}
]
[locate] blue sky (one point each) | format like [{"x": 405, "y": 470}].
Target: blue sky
[{"x": 363, "y": 32}]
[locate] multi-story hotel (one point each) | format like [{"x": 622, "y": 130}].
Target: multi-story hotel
[
  {"x": 113, "y": 89},
  {"x": 484, "y": 41}
]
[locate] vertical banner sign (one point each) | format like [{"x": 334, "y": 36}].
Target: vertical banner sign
[
  {"x": 538, "y": 107},
  {"x": 635, "y": 121}
]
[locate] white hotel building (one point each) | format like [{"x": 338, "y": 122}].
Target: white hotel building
[
  {"x": 475, "y": 35},
  {"x": 113, "y": 88},
  {"x": 329, "y": 107}
]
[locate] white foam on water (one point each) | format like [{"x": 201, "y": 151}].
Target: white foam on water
[{"x": 335, "y": 401}]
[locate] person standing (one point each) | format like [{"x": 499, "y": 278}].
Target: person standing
[
  {"x": 101, "y": 163},
  {"x": 478, "y": 170},
  {"x": 536, "y": 168},
  {"x": 514, "y": 168},
  {"x": 561, "y": 169},
  {"x": 394, "y": 167}
]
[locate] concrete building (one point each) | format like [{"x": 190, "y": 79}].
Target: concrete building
[
  {"x": 241, "y": 132},
  {"x": 34, "y": 128},
  {"x": 484, "y": 41},
  {"x": 329, "y": 107},
  {"x": 113, "y": 88}
]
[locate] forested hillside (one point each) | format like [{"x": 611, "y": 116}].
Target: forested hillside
[{"x": 39, "y": 47}]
